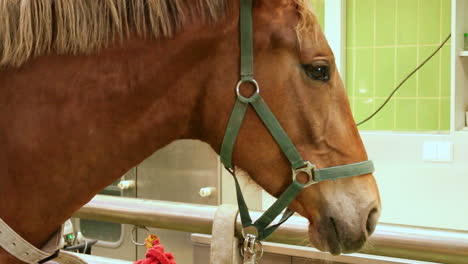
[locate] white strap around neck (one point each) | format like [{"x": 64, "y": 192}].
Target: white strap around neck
[{"x": 22, "y": 249}]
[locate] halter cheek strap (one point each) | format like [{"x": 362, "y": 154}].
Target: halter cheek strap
[{"x": 298, "y": 165}]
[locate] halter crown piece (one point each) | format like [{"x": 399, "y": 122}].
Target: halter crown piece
[{"x": 262, "y": 227}]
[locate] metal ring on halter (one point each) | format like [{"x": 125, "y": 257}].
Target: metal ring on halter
[
  {"x": 252, "y": 246},
  {"x": 134, "y": 232},
  {"x": 253, "y": 97},
  {"x": 250, "y": 230},
  {"x": 308, "y": 169}
]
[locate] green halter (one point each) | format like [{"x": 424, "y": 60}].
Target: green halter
[{"x": 262, "y": 225}]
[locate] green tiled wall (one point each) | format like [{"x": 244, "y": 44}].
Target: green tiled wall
[
  {"x": 319, "y": 7},
  {"x": 387, "y": 39}
]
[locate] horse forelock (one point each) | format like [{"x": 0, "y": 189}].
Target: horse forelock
[
  {"x": 30, "y": 28},
  {"x": 35, "y": 27},
  {"x": 308, "y": 22}
]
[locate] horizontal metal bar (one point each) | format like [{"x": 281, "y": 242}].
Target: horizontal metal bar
[
  {"x": 150, "y": 213},
  {"x": 312, "y": 253},
  {"x": 436, "y": 245}
]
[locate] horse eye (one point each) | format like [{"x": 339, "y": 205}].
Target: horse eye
[{"x": 317, "y": 72}]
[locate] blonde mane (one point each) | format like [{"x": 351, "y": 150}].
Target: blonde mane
[
  {"x": 30, "y": 28},
  {"x": 35, "y": 27}
]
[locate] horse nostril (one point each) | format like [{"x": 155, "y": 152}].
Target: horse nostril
[
  {"x": 335, "y": 228},
  {"x": 372, "y": 221}
]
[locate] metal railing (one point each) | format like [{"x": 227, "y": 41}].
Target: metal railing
[{"x": 435, "y": 245}]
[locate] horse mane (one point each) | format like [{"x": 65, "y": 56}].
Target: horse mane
[
  {"x": 30, "y": 28},
  {"x": 35, "y": 27}
]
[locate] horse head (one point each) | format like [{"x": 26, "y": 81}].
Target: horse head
[{"x": 297, "y": 76}]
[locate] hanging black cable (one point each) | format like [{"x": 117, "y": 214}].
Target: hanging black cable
[{"x": 404, "y": 81}]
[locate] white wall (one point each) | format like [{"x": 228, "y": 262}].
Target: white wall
[{"x": 415, "y": 192}]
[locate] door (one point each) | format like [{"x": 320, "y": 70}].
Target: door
[
  {"x": 177, "y": 173},
  {"x": 186, "y": 171}
]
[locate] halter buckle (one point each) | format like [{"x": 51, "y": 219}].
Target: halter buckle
[
  {"x": 252, "y": 250},
  {"x": 250, "y": 230},
  {"x": 308, "y": 169}
]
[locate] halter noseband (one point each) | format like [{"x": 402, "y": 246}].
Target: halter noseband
[{"x": 262, "y": 227}]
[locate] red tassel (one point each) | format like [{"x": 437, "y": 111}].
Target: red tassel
[{"x": 156, "y": 255}]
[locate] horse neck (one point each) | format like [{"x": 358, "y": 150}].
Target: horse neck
[{"x": 86, "y": 120}]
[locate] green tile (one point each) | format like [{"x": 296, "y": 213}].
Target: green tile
[
  {"x": 363, "y": 107},
  {"x": 384, "y": 71},
  {"x": 446, "y": 18},
  {"x": 445, "y": 72},
  {"x": 429, "y": 21},
  {"x": 319, "y": 8},
  {"x": 405, "y": 114},
  {"x": 365, "y": 22},
  {"x": 385, "y": 20},
  {"x": 364, "y": 73},
  {"x": 406, "y": 22},
  {"x": 429, "y": 74},
  {"x": 428, "y": 92},
  {"x": 428, "y": 114},
  {"x": 406, "y": 62},
  {"x": 350, "y": 23},
  {"x": 352, "y": 103},
  {"x": 384, "y": 120},
  {"x": 349, "y": 82},
  {"x": 445, "y": 114}
]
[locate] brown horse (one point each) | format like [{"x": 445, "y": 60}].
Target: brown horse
[{"x": 89, "y": 89}]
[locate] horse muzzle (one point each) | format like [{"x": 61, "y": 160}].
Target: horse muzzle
[{"x": 338, "y": 233}]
